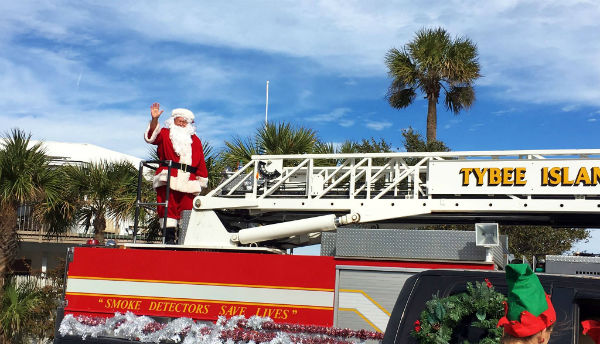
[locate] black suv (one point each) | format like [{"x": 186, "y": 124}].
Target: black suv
[{"x": 574, "y": 298}]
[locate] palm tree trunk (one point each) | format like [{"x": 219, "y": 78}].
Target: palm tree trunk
[
  {"x": 99, "y": 228},
  {"x": 431, "y": 118},
  {"x": 8, "y": 238}
]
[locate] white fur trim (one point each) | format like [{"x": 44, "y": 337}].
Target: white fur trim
[
  {"x": 185, "y": 113},
  {"x": 181, "y": 182},
  {"x": 154, "y": 133},
  {"x": 171, "y": 222},
  {"x": 203, "y": 181}
]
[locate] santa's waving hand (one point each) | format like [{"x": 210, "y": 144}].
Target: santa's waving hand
[{"x": 177, "y": 142}]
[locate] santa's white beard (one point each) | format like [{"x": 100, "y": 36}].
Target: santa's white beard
[{"x": 182, "y": 141}]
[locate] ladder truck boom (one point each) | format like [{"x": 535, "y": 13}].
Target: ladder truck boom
[{"x": 273, "y": 198}]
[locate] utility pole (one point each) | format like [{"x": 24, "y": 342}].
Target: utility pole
[{"x": 267, "y": 104}]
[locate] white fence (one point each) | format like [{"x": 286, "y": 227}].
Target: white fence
[{"x": 38, "y": 281}]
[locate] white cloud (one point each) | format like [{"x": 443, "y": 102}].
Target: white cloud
[
  {"x": 333, "y": 116},
  {"x": 305, "y": 94},
  {"x": 592, "y": 120},
  {"x": 75, "y": 70},
  {"x": 346, "y": 123},
  {"x": 452, "y": 122},
  {"x": 569, "y": 108},
  {"x": 505, "y": 111},
  {"x": 378, "y": 125},
  {"x": 475, "y": 126},
  {"x": 352, "y": 37}
]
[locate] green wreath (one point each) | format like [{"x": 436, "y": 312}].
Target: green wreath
[{"x": 442, "y": 315}]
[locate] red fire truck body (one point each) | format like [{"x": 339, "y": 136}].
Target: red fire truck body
[{"x": 205, "y": 285}]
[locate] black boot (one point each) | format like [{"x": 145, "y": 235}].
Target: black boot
[{"x": 170, "y": 235}]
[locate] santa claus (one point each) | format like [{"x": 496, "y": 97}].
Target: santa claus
[{"x": 176, "y": 142}]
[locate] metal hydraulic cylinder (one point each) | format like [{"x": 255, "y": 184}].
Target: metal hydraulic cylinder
[{"x": 285, "y": 229}]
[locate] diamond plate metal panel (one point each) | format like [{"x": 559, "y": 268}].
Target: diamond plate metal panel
[
  {"x": 573, "y": 265},
  {"x": 328, "y": 243},
  {"x": 500, "y": 252},
  {"x": 572, "y": 259},
  {"x": 408, "y": 244},
  {"x": 184, "y": 222}
]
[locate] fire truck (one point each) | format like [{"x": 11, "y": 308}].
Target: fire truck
[{"x": 234, "y": 255}]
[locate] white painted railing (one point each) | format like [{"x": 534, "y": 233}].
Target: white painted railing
[{"x": 360, "y": 176}]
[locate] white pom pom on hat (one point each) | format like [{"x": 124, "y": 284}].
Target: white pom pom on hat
[{"x": 185, "y": 113}]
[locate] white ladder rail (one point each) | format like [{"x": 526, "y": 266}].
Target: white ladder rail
[
  {"x": 283, "y": 179},
  {"x": 332, "y": 185},
  {"x": 365, "y": 176}
]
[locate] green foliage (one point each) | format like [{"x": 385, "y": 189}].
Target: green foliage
[
  {"x": 370, "y": 146},
  {"x": 240, "y": 151},
  {"x": 27, "y": 311},
  {"x": 24, "y": 170},
  {"x": 414, "y": 142},
  {"x": 441, "y": 315},
  {"x": 283, "y": 138},
  {"x": 430, "y": 63},
  {"x": 280, "y": 138},
  {"x": 348, "y": 147},
  {"x": 541, "y": 240},
  {"x": 18, "y": 304},
  {"x": 42, "y": 320},
  {"x": 104, "y": 190},
  {"x": 214, "y": 165},
  {"x": 25, "y": 177}
]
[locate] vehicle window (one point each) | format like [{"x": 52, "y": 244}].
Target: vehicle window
[
  {"x": 464, "y": 330},
  {"x": 589, "y": 309},
  {"x": 562, "y": 299}
]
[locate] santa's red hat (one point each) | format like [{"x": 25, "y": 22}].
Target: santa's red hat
[
  {"x": 528, "y": 309},
  {"x": 185, "y": 113}
]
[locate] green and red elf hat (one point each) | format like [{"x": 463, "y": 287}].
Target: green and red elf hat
[{"x": 528, "y": 309}]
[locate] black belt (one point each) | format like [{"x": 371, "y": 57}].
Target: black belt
[{"x": 183, "y": 167}]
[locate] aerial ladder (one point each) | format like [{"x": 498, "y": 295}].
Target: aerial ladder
[{"x": 285, "y": 201}]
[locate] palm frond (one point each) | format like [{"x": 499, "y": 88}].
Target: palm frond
[
  {"x": 239, "y": 151},
  {"x": 284, "y": 138},
  {"x": 23, "y": 167},
  {"x": 459, "y": 98},
  {"x": 214, "y": 164},
  {"x": 105, "y": 190},
  {"x": 18, "y": 307},
  {"x": 400, "y": 98}
]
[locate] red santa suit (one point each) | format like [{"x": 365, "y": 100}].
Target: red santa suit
[{"x": 184, "y": 185}]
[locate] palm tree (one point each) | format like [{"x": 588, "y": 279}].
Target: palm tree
[
  {"x": 25, "y": 177},
  {"x": 432, "y": 62},
  {"x": 18, "y": 310},
  {"x": 106, "y": 190},
  {"x": 281, "y": 138}
]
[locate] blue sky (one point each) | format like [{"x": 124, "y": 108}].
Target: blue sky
[{"x": 87, "y": 71}]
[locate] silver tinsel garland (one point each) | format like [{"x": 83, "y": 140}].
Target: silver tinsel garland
[{"x": 235, "y": 330}]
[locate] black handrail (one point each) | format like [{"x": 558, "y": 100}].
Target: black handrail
[{"x": 138, "y": 204}]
